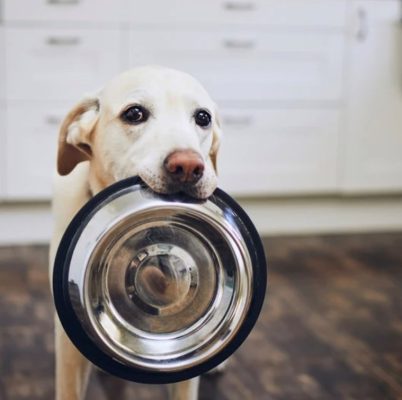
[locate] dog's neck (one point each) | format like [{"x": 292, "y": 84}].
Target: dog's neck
[{"x": 97, "y": 180}]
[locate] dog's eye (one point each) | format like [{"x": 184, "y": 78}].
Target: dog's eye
[
  {"x": 202, "y": 118},
  {"x": 135, "y": 115}
]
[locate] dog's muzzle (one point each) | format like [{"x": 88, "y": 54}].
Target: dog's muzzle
[{"x": 158, "y": 288}]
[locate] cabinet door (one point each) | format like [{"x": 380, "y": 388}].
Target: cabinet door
[
  {"x": 59, "y": 64},
  {"x": 249, "y": 65},
  {"x": 372, "y": 143},
  {"x": 32, "y": 133},
  {"x": 279, "y": 151}
]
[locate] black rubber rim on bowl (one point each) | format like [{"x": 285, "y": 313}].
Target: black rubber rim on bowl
[{"x": 87, "y": 347}]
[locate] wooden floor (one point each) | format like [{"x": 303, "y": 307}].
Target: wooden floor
[{"x": 331, "y": 327}]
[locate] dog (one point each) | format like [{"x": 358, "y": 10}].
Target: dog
[{"x": 154, "y": 122}]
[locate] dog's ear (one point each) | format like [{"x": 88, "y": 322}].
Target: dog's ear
[
  {"x": 75, "y": 135},
  {"x": 216, "y": 141}
]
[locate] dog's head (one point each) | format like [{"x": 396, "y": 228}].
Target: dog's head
[{"x": 154, "y": 122}]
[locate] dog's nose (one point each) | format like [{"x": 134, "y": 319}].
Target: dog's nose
[{"x": 185, "y": 166}]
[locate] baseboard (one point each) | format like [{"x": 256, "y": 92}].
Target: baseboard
[
  {"x": 32, "y": 223},
  {"x": 325, "y": 215},
  {"x": 25, "y": 223}
]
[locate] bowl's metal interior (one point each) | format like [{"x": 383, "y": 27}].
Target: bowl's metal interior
[{"x": 160, "y": 284}]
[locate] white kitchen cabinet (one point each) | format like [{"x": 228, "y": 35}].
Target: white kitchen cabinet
[
  {"x": 277, "y": 151},
  {"x": 372, "y": 140},
  {"x": 31, "y": 148},
  {"x": 60, "y": 64},
  {"x": 248, "y": 65},
  {"x": 311, "y": 88},
  {"x": 293, "y": 14},
  {"x": 88, "y": 11}
]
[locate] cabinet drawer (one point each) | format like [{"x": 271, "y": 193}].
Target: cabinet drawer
[
  {"x": 62, "y": 10},
  {"x": 279, "y": 151},
  {"x": 31, "y": 150},
  {"x": 249, "y": 65},
  {"x": 282, "y": 13},
  {"x": 59, "y": 64}
]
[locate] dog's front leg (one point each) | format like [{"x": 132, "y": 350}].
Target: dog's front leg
[
  {"x": 186, "y": 390},
  {"x": 72, "y": 369}
]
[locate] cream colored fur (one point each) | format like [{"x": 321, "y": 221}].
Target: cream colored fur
[{"x": 96, "y": 149}]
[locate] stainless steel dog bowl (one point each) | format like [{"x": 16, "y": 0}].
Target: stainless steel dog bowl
[{"x": 158, "y": 288}]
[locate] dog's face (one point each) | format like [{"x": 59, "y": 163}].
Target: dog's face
[{"x": 153, "y": 122}]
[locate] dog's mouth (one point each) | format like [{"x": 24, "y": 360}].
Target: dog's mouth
[{"x": 199, "y": 190}]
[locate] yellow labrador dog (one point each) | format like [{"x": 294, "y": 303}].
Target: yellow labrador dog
[{"x": 154, "y": 122}]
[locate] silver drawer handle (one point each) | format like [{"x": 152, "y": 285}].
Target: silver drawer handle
[
  {"x": 362, "y": 25},
  {"x": 239, "y": 44},
  {"x": 240, "y": 121},
  {"x": 238, "y": 6},
  {"x": 63, "y": 41},
  {"x": 52, "y": 120},
  {"x": 62, "y": 2}
]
